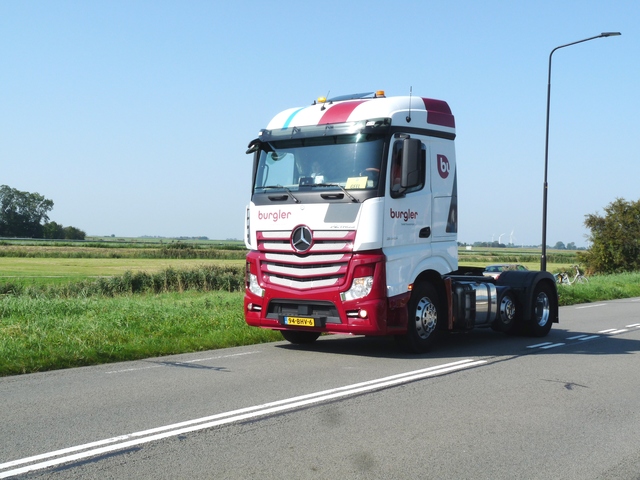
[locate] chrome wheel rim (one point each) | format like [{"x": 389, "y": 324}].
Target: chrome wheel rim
[
  {"x": 426, "y": 318},
  {"x": 542, "y": 309},
  {"x": 507, "y": 309}
]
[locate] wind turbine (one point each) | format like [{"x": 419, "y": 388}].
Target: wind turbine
[{"x": 500, "y": 238}]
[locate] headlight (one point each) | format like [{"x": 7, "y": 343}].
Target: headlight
[
  {"x": 254, "y": 287},
  {"x": 361, "y": 287}
]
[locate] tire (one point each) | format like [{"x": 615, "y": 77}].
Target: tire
[
  {"x": 299, "y": 338},
  {"x": 508, "y": 317},
  {"x": 582, "y": 279},
  {"x": 543, "y": 307},
  {"x": 425, "y": 320}
]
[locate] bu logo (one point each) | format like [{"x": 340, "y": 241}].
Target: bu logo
[
  {"x": 301, "y": 239},
  {"x": 443, "y": 166}
]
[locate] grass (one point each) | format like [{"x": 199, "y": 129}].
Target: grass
[
  {"x": 204, "y": 278},
  {"x": 38, "y": 334},
  {"x": 601, "y": 287},
  {"x": 171, "y": 251},
  {"x": 557, "y": 260},
  {"x": 530, "y": 257},
  {"x": 38, "y": 270}
]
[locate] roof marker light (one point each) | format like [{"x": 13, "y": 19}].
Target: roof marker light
[{"x": 380, "y": 93}]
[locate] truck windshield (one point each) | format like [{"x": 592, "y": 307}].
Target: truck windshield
[{"x": 349, "y": 161}]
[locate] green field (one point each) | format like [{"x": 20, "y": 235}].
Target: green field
[
  {"x": 557, "y": 260},
  {"x": 59, "y": 270},
  {"x": 30, "y": 262},
  {"x": 65, "y": 305}
]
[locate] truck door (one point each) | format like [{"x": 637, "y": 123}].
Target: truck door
[{"x": 407, "y": 215}]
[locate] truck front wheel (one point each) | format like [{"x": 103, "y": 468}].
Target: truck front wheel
[
  {"x": 425, "y": 317},
  {"x": 298, "y": 337}
]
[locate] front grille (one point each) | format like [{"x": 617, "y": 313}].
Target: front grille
[{"x": 323, "y": 265}]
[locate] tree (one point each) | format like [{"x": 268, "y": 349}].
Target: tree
[
  {"x": 560, "y": 246},
  {"x": 53, "y": 230},
  {"x": 615, "y": 238},
  {"x": 73, "y": 233},
  {"x": 22, "y": 213}
]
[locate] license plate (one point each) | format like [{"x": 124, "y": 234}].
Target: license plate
[{"x": 300, "y": 321}]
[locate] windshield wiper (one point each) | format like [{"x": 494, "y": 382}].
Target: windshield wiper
[
  {"x": 267, "y": 187},
  {"x": 353, "y": 199}
]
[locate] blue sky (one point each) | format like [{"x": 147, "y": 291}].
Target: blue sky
[{"x": 134, "y": 116}]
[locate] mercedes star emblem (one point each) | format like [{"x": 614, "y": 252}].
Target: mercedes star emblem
[{"x": 301, "y": 239}]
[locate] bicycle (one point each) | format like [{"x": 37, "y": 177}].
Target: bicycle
[{"x": 563, "y": 277}]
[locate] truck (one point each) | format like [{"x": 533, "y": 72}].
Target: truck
[{"x": 352, "y": 228}]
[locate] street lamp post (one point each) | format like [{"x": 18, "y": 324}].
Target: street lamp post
[{"x": 543, "y": 257}]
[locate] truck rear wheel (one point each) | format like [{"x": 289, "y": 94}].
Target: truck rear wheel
[
  {"x": 298, "y": 337},
  {"x": 425, "y": 317},
  {"x": 543, "y": 308}
]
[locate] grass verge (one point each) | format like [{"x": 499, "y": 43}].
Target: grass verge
[
  {"x": 38, "y": 334},
  {"x": 601, "y": 287}
]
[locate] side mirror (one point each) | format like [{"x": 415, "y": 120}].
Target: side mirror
[
  {"x": 254, "y": 145},
  {"x": 411, "y": 162}
]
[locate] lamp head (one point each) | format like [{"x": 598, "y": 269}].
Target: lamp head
[{"x": 610, "y": 34}]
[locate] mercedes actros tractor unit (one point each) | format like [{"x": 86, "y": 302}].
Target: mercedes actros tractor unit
[{"x": 352, "y": 228}]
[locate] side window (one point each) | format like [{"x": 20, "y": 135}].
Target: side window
[{"x": 396, "y": 171}]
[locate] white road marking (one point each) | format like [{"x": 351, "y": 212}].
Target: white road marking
[
  {"x": 615, "y": 332},
  {"x": 548, "y": 345},
  {"x": 591, "y": 337},
  {"x": 634, "y": 325},
  {"x": 126, "y": 441},
  {"x": 591, "y": 306}
]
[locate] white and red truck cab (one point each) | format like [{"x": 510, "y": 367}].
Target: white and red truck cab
[{"x": 352, "y": 228}]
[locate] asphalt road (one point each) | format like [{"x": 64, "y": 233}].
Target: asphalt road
[{"x": 482, "y": 405}]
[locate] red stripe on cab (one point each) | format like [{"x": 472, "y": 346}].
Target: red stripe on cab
[{"x": 339, "y": 112}]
